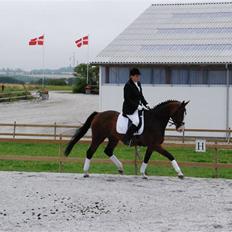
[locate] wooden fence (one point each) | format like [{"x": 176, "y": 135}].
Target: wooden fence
[
  {"x": 61, "y": 140},
  {"x": 55, "y": 134}
]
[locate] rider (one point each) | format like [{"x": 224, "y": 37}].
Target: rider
[{"x": 133, "y": 102}]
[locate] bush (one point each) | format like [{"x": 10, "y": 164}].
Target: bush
[
  {"x": 56, "y": 82},
  {"x": 79, "y": 86}
]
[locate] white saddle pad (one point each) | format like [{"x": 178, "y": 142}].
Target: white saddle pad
[{"x": 122, "y": 125}]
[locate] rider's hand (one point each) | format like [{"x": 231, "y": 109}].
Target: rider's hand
[
  {"x": 140, "y": 107},
  {"x": 148, "y": 107}
]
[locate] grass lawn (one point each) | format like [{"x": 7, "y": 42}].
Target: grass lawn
[
  {"x": 122, "y": 152},
  {"x": 14, "y": 88},
  {"x": 59, "y": 88}
]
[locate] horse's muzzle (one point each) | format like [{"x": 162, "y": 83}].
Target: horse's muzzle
[{"x": 180, "y": 128}]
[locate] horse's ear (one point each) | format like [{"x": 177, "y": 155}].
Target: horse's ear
[{"x": 185, "y": 103}]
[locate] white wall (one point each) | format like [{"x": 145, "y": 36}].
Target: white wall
[{"x": 206, "y": 110}]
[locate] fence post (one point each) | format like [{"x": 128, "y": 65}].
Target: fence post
[
  {"x": 216, "y": 160},
  {"x": 55, "y": 130},
  {"x": 14, "y": 129},
  {"x": 183, "y": 136},
  {"x": 229, "y": 136},
  {"x": 61, "y": 167}
]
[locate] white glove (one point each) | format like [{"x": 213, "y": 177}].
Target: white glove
[
  {"x": 140, "y": 107},
  {"x": 148, "y": 106}
]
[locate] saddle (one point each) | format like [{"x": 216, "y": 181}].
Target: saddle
[{"x": 123, "y": 123}]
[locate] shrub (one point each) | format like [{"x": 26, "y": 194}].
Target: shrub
[{"x": 79, "y": 86}]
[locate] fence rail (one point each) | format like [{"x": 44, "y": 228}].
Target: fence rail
[
  {"x": 56, "y": 126},
  {"x": 61, "y": 140},
  {"x": 61, "y": 159}
]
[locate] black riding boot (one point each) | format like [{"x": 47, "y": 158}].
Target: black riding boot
[{"x": 129, "y": 134}]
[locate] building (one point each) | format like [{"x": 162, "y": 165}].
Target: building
[{"x": 184, "y": 52}]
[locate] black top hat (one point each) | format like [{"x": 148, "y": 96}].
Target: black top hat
[{"x": 134, "y": 71}]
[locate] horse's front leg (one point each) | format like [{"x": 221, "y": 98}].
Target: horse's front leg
[
  {"x": 175, "y": 165},
  {"x": 145, "y": 162}
]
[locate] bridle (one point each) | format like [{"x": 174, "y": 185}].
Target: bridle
[{"x": 177, "y": 124}]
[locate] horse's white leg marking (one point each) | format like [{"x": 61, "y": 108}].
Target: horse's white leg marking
[
  {"x": 177, "y": 168},
  {"x": 143, "y": 169},
  {"x": 86, "y": 167},
  {"x": 117, "y": 162}
]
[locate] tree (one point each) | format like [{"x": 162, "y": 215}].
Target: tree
[{"x": 80, "y": 71}]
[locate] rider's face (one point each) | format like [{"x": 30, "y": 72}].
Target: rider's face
[{"x": 135, "y": 78}]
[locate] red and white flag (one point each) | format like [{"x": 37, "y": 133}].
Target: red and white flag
[
  {"x": 82, "y": 41},
  {"x": 37, "y": 41},
  {"x": 33, "y": 41},
  {"x": 78, "y": 43},
  {"x": 41, "y": 40},
  {"x": 85, "y": 40}
]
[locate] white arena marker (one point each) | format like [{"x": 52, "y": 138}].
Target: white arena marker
[{"x": 200, "y": 145}]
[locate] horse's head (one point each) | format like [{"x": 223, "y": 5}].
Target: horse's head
[{"x": 177, "y": 115}]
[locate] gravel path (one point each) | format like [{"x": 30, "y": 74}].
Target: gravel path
[
  {"x": 62, "y": 108},
  {"x": 69, "y": 202}
]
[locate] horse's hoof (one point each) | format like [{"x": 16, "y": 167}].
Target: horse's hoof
[
  {"x": 121, "y": 172},
  {"x": 181, "y": 177},
  {"x": 145, "y": 177},
  {"x": 86, "y": 175}
]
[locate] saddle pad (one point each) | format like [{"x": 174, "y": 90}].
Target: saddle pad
[{"x": 122, "y": 125}]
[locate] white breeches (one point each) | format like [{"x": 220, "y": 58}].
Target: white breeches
[{"x": 134, "y": 117}]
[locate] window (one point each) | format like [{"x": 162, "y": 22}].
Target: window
[
  {"x": 123, "y": 75},
  {"x": 103, "y": 74},
  {"x": 118, "y": 75},
  {"x": 146, "y": 75},
  {"x": 195, "y": 75},
  {"x": 158, "y": 76},
  {"x": 113, "y": 75},
  {"x": 230, "y": 74},
  {"x": 179, "y": 76},
  {"x": 217, "y": 77}
]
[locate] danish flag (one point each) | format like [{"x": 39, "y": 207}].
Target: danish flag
[
  {"x": 37, "y": 41},
  {"x": 82, "y": 41}
]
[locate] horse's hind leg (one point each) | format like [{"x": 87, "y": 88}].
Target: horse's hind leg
[
  {"x": 172, "y": 159},
  {"x": 109, "y": 152}
]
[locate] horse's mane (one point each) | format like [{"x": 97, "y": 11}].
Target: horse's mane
[{"x": 157, "y": 109}]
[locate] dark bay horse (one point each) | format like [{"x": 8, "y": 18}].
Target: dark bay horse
[{"x": 103, "y": 126}]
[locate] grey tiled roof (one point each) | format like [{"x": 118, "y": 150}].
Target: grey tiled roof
[{"x": 175, "y": 33}]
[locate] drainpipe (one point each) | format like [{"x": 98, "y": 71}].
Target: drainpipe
[
  {"x": 227, "y": 99},
  {"x": 100, "y": 82}
]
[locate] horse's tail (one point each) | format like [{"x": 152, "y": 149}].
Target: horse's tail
[{"x": 79, "y": 133}]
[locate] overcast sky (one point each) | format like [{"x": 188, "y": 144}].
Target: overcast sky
[{"x": 62, "y": 22}]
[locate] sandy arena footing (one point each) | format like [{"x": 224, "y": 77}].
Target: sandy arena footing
[{"x": 69, "y": 202}]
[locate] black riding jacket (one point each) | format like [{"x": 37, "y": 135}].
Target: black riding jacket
[{"x": 132, "y": 97}]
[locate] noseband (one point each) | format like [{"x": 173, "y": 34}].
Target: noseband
[{"x": 177, "y": 124}]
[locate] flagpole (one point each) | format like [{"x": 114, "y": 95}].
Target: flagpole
[
  {"x": 88, "y": 62},
  {"x": 43, "y": 64}
]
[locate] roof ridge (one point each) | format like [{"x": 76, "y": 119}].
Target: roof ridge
[{"x": 191, "y": 3}]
